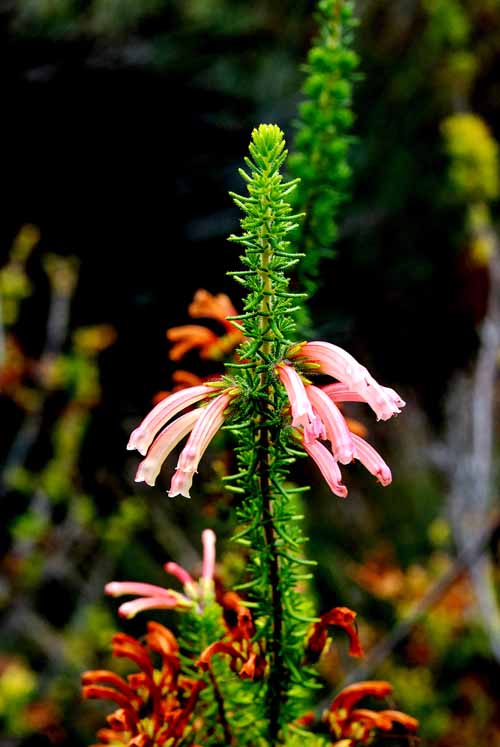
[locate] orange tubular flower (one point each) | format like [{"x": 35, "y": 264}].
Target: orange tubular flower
[
  {"x": 154, "y": 706},
  {"x": 191, "y": 337},
  {"x": 357, "y": 725},
  {"x": 237, "y": 617},
  {"x": 341, "y": 617},
  {"x": 245, "y": 658},
  {"x": 205, "y": 305},
  {"x": 211, "y": 346}
]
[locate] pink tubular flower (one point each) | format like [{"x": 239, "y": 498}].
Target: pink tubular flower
[
  {"x": 335, "y": 426},
  {"x": 149, "y": 596},
  {"x": 212, "y": 417},
  {"x": 144, "y": 434},
  {"x": 168, "y": 439},
  {"x": 355, "y": 384},
  {"x": 302, "y": 411},
  {"x": 372, "y": 460},
  {"x": 336, "y": 362},
  {"x": 202, "y": 422},
  {"x": 328, "y": 466},
  {"x": 207, "y": 425},
  {"x": 208, "y": 540},
  {"x": 180, "y": 484}
]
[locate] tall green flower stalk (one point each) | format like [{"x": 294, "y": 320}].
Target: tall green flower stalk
[
  {"x": 264, "y": 449},
  {"x": 241, "y": 669},
  {"x": 322, "y": 141}
]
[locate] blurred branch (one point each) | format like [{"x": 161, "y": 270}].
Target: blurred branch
[
  {"x": 172, "y": 538},
  {"x": 22, "y": 618},
  {"x": 471, "y": 412},
  {"x": 55, "y": 337}
]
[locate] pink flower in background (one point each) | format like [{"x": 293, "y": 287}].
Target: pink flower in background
[
  {"x": 149, "y": 596},
  {"x": 150, "y": 440}
]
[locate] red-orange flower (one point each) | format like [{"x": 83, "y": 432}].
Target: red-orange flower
[
  {"x": 197, "y": 337},
  {"x": 341, "y": 617},
  {"x": 237, "y": 617},
  {"x": 191, "y": 337},
  {"x": 154, "y": 706},
  {"x": 356, "y": 725},
  {"x": 246, "y": 657}
]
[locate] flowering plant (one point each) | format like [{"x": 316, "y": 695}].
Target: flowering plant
[{"x": 241, "y": 671}]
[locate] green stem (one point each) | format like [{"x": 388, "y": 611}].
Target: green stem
[
  {"x": 228, "y": 737},
  {"x": 278, "y": 674}
]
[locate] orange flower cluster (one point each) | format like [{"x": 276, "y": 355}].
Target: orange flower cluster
[
  {"x": 352, "y": 726},
  {"x": 246, "y": 658},
  {"x": 154, "y": 706},
  {"x": 211, "y": 346}
]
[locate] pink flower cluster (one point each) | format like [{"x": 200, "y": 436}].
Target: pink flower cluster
[
  {"x": 316, "y": 416},
  {"x": 151, "y": 597},
  {"x": 202, "y": 423}
]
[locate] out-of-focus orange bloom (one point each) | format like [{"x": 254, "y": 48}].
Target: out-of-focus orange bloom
[
  {"x": 13, "y": 368},
  {"x": 355, "y": 726},
  {"x": 356, "y": 427},
  {"x": 154, "y": 706},
  {"x": 191, "y": 337},
  {"x": 341, "y": 617},
  {"x": 43, "y": 717},
  {"x": 211, "y": 346},
  {"x": 380, "y": 575},
  {"x": 459, "y": 598},
  {"x": 205, "y": 305}
]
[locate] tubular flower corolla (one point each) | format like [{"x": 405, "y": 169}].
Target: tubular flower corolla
[
  {"x": 316, "y": 415},
  {"x": 155, "y": 439},
  {"x": 149, "y": 596}
]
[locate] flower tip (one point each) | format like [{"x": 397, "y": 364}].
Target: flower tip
[
  {"x": 181, "y": 484},
  {"x": 172, "y": 493},
  {"x": 208, "y": 540},
  {"x": 134, "y": 442},
  {"x": 384, "y": 476},
  {"x": 132, "y": 439},
  {"x": 127, "y": 610},
  {"x": 208, "y": 536},
  {"x": 113, "y": 589}
]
